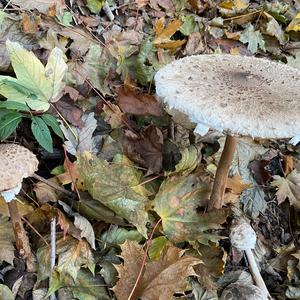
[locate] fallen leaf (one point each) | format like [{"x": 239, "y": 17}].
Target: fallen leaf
[
  {"x": 288, "y": 164},
  {"x": 158, "y": 247},
  {"x": 113, "y": 115},
  {"x": 114, "y": 186},
  {"x": 6, "y": 293},
  {"x": 86, "y": 229},
  {"x": 295, "y": 24},
  {"x": 30, "y": 23},
  {"x": 82, "y": 139},
  {"x": 95, "y": 5},
  {"x": 42, "y": 6},
  {"x": 161, "y": 278},
  {"x": 45, "y": 193},
  {"x": 177, "y": 203},
  {"x": 194, "y": 44},
  {"x": 163, "y": 35},
  {"x": 7, "y": 238},
  {"x": 145, "y": 148},
  {"x": 274, "y": 29},
  {"x": 236, "y": 185},
  {"x": 288, "y": 187},
  {"x": 253, "y": 38},
  {"x": 139, "y": 104}
]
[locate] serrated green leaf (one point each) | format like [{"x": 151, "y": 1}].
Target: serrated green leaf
[
  {"x": 253, "y": 38},
  {"x": 117, "y": 186},
  {"x": 42, "y": 133},
  {"x": 14, "y": 105},
  {"x": 53, "y": 123},
  {"x": 177, "y": 203},
  {"x": 9, "y": 121}
]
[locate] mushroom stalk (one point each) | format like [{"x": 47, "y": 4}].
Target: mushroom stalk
[
  {"x": 219, "y": 186},
  {"x": 22, "y": 241},
  {"x": 255, "y": 273}
]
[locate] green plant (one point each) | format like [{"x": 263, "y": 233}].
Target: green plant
[{"x": 30, "y": 94}]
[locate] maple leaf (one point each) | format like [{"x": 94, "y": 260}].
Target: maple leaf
[
  {"x": 177, "y": 202},
  {"x": 116, "y": 185},
  {"x": 253, "y": 38},
  {"x": 288, "y": 187},
  {"x": 161, "y": 279}
]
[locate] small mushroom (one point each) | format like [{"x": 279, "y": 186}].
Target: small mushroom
[
  {"x": 237, "y": 95},
  {"x": 242, "y": 291},
  {"x": 16, "y": 163},
  {"x": 243, "y": 237}
]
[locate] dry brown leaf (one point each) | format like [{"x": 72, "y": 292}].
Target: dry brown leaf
[
  {"x": 236, "y": 185},
  {"x": 139, "y": 104},
  {"x": 288, "y": 164},
  {"x": 30, "y": 23},
  {"x": 163, "y": 35},
  {"x": 161, "y": 278},
  {"x": 43, "y": 6},
  {"x": 288, "y": 187},
  {"x": 45, "y": 193}
]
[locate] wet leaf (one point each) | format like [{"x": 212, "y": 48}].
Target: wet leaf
[
  {"x": 161, "y": 278},
  {"x": 253, "y": 38},
  {"x": 288, "y": 187},
  {"x": 177, "y": 203},
  {"x": 139, "y": 104},
  {"x": 7, "y": 238},
  {"x": 114, "y": 186}
]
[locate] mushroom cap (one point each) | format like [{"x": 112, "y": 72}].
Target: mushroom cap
[
  {"x": 243, "y": 237},
  {"x": 16, "y": 163},
  {"x": 242, "y": 292},
  {"x": 240, "y": 95}
]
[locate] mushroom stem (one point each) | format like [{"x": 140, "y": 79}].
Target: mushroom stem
[
  {"x": 219, "y": 186},
  {"x": 256, "y": 274},
  {"x": 22, "y": 241}
]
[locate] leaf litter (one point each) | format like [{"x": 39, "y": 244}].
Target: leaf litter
[{"x": 134, "y": 180}]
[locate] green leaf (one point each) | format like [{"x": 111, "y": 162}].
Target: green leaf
[
  {"x": 188, "y": 26},
  {"x": 177, "y": 203},
  {"x": 158, "y": 246},
  {"x": 253, "y": 38},
  {"x": 6, "y": 293},
  {"x": 14, "y": 105},
  {"x": 9, "y": 121},
  {"x": 117, "y": 186},
  {"x": 67, "y": 19},
  {"x": 42, "y": 133},
  {"x": 144, "y": 73},
  {"x": 95, "y": 5},
  {"x": 117, "y": 236},
  {"x": 53, "y": 123}
]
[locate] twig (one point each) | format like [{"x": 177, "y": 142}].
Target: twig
[
  {"x": 144, "y": 260},
  {"x": 53, "y": 185},
  {"x": 53, "y": 251}
]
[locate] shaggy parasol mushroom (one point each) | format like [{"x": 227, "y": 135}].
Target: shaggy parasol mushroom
[
  {"x": 243, "y": 237},
  {"x": 16, "y": 163},
  {"x": 237, "y": 95}
]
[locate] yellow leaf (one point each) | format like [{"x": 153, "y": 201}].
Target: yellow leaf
[
  {"x": 163, "y": 35},
  {"x": 295, "y": 24},
  {"x": 236, "y": 184}
]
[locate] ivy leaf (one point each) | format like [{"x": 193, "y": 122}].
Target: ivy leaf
[
  {"x": 161, "y": 279},
  {"x": 9, "y": 121},
  {"x": 116, "y": 185},
  {"x": 253, "y": 38},
  {"x": 177, "y": 202},
  {"x": 42, "y": 133},
  {"x": 53, "y": 123},
  {"x": 288, "y": 187}
]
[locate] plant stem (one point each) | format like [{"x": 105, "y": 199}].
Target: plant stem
[
  {"x": 144, "y": 260},
  {"x": 22, "y": 241},
  {"x": 53, "y": 251},
  {"x": 219, "y": 186}
]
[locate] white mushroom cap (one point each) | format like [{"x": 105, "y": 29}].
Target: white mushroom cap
[
  {"x": 16, "y": 163},
  {"x": 237, "y": 94},
  {"x": 242, "y": 292},
  {"x": 243, "y": 237}
]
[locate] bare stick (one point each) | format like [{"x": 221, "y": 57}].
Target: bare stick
[
  {"x": 22, "y": 241},
  {"x": 256, "y": 274},
  {"x": 53, "y": 250},
  {"x": 218, "y": 191},
  {"x": 53, "y": 185}
]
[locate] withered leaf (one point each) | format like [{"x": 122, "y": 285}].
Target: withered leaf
[
  {"x": 288, "y": 187},
  {"x": 161, "y": 279},
  {"x": 177, "y": 202},
  {"x": 139, "y": 104},
  {"x": 146, "y": 148}
]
